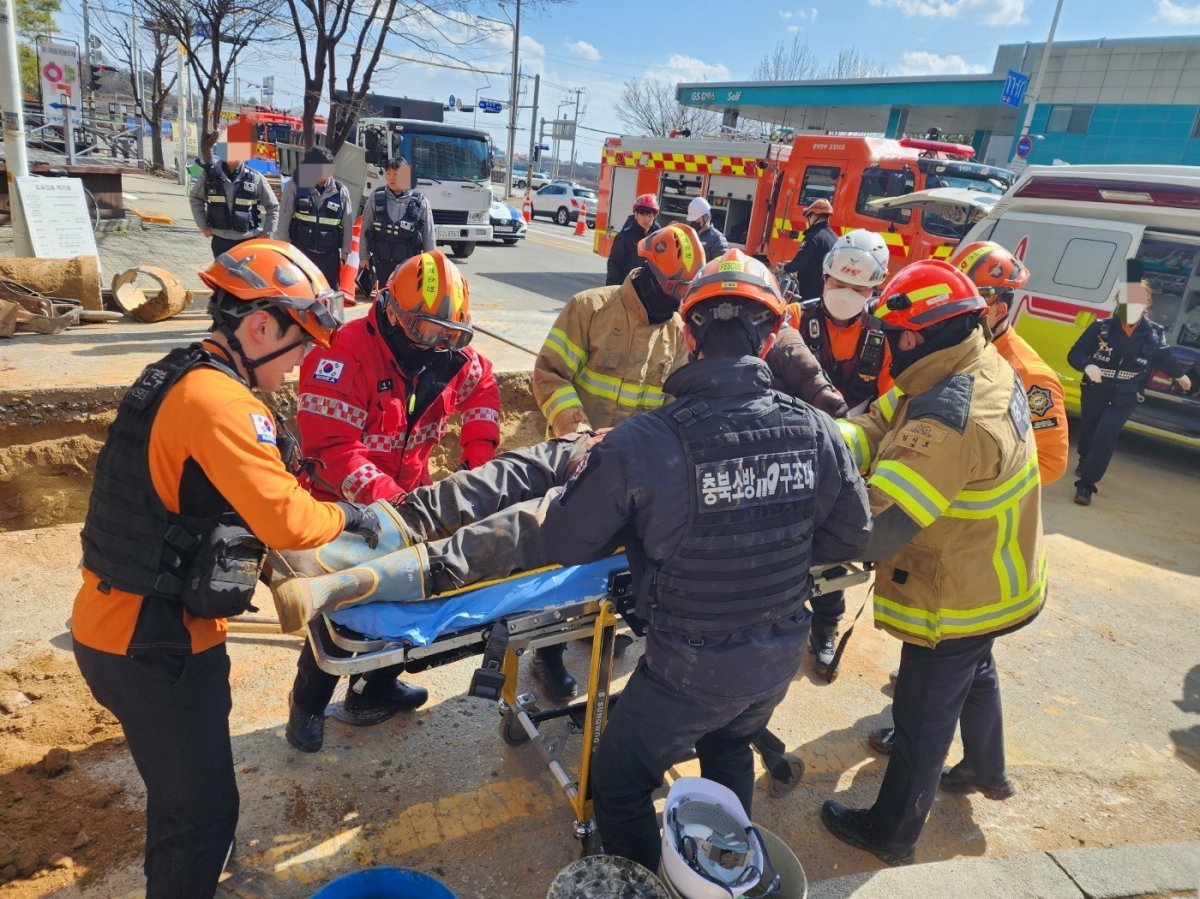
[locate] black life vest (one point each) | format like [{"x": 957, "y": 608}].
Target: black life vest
[
  {"x": 316, "y": 224},
  {"x": 393, "y": 242},
  {"x": 130, "y": 540},
  {"x": 857, "y": 377},
  {"x": 744, "y": 559},
  {"x": 242, "y": 215}
]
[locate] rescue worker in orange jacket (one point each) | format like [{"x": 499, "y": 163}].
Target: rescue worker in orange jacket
[
  {"x": 189, "y": 487},
  {"x": 956, "y": 503},
  {"x": 371, "y": 410},
  {"x": 848, "y": 341}
]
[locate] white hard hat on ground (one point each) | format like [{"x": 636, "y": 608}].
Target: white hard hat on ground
[{"x": 697, "y": 209}]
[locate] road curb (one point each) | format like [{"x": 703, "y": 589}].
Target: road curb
[{"x": 1120, "y": 871}]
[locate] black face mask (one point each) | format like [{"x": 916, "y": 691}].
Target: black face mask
[
  {"x": 411, "y": 356},
  {"x": 659, "y": 305},
  {"x": 937, "y": 337}
]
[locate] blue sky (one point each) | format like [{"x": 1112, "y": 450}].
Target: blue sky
[{"x": 599, "y": 46}]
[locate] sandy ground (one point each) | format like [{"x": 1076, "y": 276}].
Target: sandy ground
[{"x": 1102, "y": 699}]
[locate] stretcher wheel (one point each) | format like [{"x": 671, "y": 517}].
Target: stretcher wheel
[
  {"x": 777, "y": 788},
  {"x": 511, "y": 731}
]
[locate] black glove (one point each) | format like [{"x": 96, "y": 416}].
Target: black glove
[{"x": 361, "y": 520}]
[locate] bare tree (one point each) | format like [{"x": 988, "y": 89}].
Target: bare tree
[
  {"x": 213, "y": 33},
  {"x": 788, "y": 62},
  {"x": 649, "y": 107},
  {"x": 116, "y": 27},
  {"x": 852, "y": 64}
]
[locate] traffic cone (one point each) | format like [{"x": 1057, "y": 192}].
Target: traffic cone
[
  {"x": 581, "y": 222},
  {"x": 527, "y": 209},
  {"x": 349, "y": 273}
]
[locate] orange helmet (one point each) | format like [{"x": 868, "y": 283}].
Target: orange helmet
[
  {"x": 819, "y": 207},
  {"x": 733, "y": 276},
  {"x": 431, "y": 301},
  {"x": 674, "y": 254},
  {"x": 927, "y": 293},
  {"x": 993, "y": 269},
  {"x": 272, "y": 273}
]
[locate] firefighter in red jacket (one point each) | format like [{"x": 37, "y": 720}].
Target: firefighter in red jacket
[{"x": 371, "y": 410}]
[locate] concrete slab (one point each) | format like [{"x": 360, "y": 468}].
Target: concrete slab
[
  {"x": 1133, "y": 870},
  {"x": 1033, "y": 875}
]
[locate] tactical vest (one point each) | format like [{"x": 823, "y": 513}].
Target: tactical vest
[
  {"x": 393, "y": 242},
  {"x": 744, "y": 559},
  {"x": 243, "y": 215},
  {"x": 857, "y": 377},
  {"x": 130, "y": 540},
  {"x": 316, "y": 227}
]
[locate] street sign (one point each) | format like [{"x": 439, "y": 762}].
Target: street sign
[
  {"x": 1014, "y": 88},
  {"x": 451, "y": 103},
  {"x": 1024, "y": 147},
  {"x": 268, "y": 89},
  {"x": 59, "y": 67},
  {"x": 62, "y": 106},
  {"x": 545, "y": 148},
  {"x": 486, "y": 105}
]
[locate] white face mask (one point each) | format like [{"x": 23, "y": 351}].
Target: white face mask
[
  {"x": 1133, "y": 312},
  {"x": 843, "y": 303}
]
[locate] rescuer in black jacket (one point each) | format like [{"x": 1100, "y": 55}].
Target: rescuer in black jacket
[
  {"x": 723, "y": 499},
  {"x": 819, "y": 239},
  {"x": 623, "y": 254}
]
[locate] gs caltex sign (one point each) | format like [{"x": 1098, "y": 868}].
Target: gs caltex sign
[{"x": 59, "y": 68}]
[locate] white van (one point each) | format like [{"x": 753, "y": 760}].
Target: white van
[{"x": 1075, "y": 226}]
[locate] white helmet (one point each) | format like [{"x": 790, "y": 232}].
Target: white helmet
[
  {"x": 859, "y": 257},
  {"x": 697, "y": 209},
  {"x": 709, "y": 848}
]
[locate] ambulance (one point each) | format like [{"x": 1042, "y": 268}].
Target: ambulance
[
  {"x": 757, "y": 189},
  {"x": 1075, "y": 226}
]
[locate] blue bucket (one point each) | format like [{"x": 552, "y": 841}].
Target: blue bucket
[{"x": 385, "y": 883}]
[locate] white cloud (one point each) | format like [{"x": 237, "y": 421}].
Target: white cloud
[
  {"x": 793, "y": 28},
  {"x": 922, "y": 62},
  {"x": 804, "y": 15},
  {"x": 989, "y": 12},
  {"x": 687, "y": 68},
  {"x": 1177, "y": 14},
  {"x": 583, "y": 50}
]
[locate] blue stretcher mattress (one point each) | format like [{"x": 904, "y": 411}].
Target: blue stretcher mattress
[{"x": 420, "y": 623}]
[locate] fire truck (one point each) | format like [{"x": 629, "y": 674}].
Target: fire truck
[
  {"x": 264, "y": 127},
  {"x": 757, "y": 189}
]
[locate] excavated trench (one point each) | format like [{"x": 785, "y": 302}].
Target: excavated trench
[{"x": 49, "y": 441}]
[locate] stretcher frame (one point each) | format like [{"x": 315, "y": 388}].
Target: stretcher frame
[{"x": 597, "y": 617}]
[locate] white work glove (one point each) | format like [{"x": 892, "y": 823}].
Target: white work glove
[
  {"x": 1093, "y": 374},
  {"x": 1185, "y": 384}
]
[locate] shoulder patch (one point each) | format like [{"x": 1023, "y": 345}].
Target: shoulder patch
[
  {"x": 264, "y": 428},
  {"x": 948, "y": 401},
  {"x": 329, "y": 371},
  {"x": 1040, "y": 401}
]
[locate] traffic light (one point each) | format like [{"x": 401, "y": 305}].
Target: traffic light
[{"x": 94, "y": 74}]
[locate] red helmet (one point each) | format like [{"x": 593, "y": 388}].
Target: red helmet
[
  {"x": 927, "y": 293},
  {"x": 993, "y": 269},
  {"x": 674, "y": 254},
  {"x": 647, "y": 203}
]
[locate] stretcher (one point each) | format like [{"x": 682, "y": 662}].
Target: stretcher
[{"x": 503, "y": 621}]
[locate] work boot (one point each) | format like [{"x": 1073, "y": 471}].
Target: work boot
[
  {"x": 961, "y": 779},
  {"x": 822, "y": 639},
  {"x": 1083, "y": 495},
  {"x": 854, "y": 826},
  {"x": 348, "y": 550},
  {"x": 395, "y": 695},
  {"x": 552, "y": 674},
  {"x": 400, "y": 576},
  {"x": 883, "y": 740},
  {"x": 304, "y": 731}
]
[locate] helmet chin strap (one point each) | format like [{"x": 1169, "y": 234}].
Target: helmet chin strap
[{"x": 251, "y": 364}]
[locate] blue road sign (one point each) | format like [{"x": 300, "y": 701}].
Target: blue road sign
[
  {"x": 545, "y": 148},
  {"x": 451, "y": 103},
  {"x": 1014, "y": 88},
  {"x": 1024, "y": 147},
  {"x": 62, "y": 106},
  {"x": 486, "y": 105}
]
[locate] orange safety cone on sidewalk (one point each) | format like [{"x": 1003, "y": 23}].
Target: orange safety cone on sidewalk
[
  {"x": 348, "y": 276},
  {"x": 527, "y": 209},
  {"x": 581, "y": 222}
]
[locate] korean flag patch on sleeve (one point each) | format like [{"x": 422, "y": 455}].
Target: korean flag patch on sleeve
[
  {"x": 329, "y": 371},
  {"x": 264, "y": 428}
]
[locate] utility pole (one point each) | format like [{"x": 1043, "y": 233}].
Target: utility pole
[
  {"x": 85, "y": 77},
  {"x": 16, "y": 160},
  {"x": 1041, "y": 72},
  {"x": 533, "y": 135},
  {"x": 181, "y": 137},
  {"x": 512, "y": 104},
  {"x": 135, "y": 63},
  {"x": 574, "y": 132}
]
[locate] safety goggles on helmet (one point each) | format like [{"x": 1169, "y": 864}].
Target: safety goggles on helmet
[
  {"x": 427, "y": 330},
  {"x": 319, "y": 318}
]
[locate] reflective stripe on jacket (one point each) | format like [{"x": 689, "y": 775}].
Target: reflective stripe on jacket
[
  {"x": 954, "y": 449},
  {"x": 603, "y": 361}
]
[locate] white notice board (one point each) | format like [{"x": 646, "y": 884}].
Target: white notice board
[{"x": 57, "y": 214}]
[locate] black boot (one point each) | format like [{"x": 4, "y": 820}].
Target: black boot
[
  {"x": 1083, "y": 495},
  {"x": 961, "y": 779},
  {"x": 394, "y": 695},
  {"x": 304, "y": 731},
  {"x": 854, "y": 826},
  {"x": 552, "y": 674},
  {"x": 883, "y": 740},
  {"x": 822, "y": 639}
]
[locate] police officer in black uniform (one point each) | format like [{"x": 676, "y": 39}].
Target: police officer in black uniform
[
  {"x": 397, "y": 223},
  {"x": 1116, "y": 355},
  {"x": 723, "y": 499},
  {"x": 317, "y": 215},
  {"x": 232, "y": 202}
]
